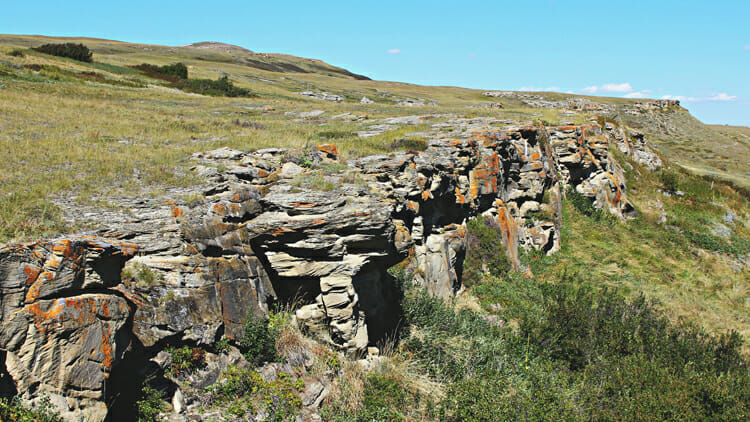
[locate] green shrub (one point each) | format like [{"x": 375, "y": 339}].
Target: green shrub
[
  {"x": 221, "y": 87},
  {"x": 246, "y": 391},
  {"x": 71, "y": 50},
  {"x": 17, "y": 52},
  {"x": 178, "y": 69},
  {"x": 579, "y": 353},
  {"x": 737, "y": 246},
  {"x": 14, "y": 410},
  {"x": 384, "y": 399},
  {"x": 259, "y": 340},
  {"x": 670, "y": 180},
  {"x": 151, "y": 403},
  {"x": 171, "y": 72},
  {"x": 185, "y": 359},
  {"x": 584, "y": 205},
  {"x": 485, "y": 252}
]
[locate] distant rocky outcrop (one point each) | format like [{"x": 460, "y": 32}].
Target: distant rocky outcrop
[
  {"x": 260, "y": 233},
  {"x": 325, "y": 96}
]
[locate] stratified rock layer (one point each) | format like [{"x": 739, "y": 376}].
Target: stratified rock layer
[
  {"x": 263, "y": 233},
  {"x": 60, "y": 339}
]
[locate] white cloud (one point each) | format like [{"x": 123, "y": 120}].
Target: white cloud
[
  {"x": 623, "y": 87},
  {"x": 747, "y": 47},
  {"x": 471, "y": 56},
  {"x": 723, "y": 96},
  {"x": 637, "y": 94},
  {"x": 679, "y": 97},
  {"x": 394, "y": 51}
]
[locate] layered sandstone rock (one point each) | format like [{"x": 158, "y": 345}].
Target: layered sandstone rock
[
  {"x": 62, "y": 328},
  {"x": 262, "y": 233}
]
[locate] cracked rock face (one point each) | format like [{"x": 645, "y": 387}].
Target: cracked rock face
[
  {"x": 260, "y": 235},
  {"x": 62, "y": 330}
]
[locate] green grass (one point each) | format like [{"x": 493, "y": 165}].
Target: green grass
[{"x": 577, "y": 353}]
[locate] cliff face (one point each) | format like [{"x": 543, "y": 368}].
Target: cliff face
[{"x": 267, "y": 231}]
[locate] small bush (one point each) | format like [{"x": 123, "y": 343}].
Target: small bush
[
  {"x": 221, "y": 87},
  {"x": 259, "y": 340},
  {"x": 579, "y": 353},
  {"x": 14, "y": 410},
  {"x": 185, "y": 359},
  {"x": 246, "y": 391},
  {"x": 384, "y": 399},
  {"x": 143, "y": 276},
  {"x": 670, "y": 180},
  {"x": 584, "y": 205},
  {"x": 74, "y": 51},
  {"x": 171, "y": 72},
  {"x": 335, "y": 134},
  {"x": 737, "y": 247},
  {"x": 485, "y": 252},
  {"x": 178, "y": 69},
  {"x": 16, "y": 53},
  {"x": 151, "y": 403}
]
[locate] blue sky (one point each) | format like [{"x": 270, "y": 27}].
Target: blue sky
[{"x": 696, "y": 51}]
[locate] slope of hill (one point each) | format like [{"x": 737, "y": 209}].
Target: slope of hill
[{"x": 114, "y": 158}]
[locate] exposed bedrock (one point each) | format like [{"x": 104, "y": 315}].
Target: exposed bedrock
[
  {"x": 63, "y": 323},
  {"x": 262, "y": 234}
]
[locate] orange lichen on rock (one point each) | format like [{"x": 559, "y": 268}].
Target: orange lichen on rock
[
  {"x": 62, "y": 247},
  {"x": 34, "y": 290},
  {"x": 219, "y": 209},
  {"x": 474, "y": 188},
  {"x": 53, "y": 262},
  {"x": 106, "y": 349},
  {"x": 280, "y": 231},
  {"x": 303, "y": 204},
  {"x": 328, "y": 149},
  {"x": 509, "y": 229},
  {"x": 460, "y": 198},
  {"x": 32, "y": 273},
  {"x": 177, "y": 212},
  {"x": 43, "y": 318}
]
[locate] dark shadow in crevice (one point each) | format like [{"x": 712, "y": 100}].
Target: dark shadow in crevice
[{"x": 7, "y": 385}]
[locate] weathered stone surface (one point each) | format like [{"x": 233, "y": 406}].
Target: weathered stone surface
[
  {"x": 258, "y": 234},
  {"x": 585, "y": 163},
  {"x": 325, "y": 96},
  {"x": 58, "y": 339},
  {"x": 66, "y": 348},
  {"x": 633, "y": 144}
]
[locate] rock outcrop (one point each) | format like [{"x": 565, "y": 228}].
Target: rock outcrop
[
  {"x": 62, "y": 320},
  {"x": 266, "y": 231}
]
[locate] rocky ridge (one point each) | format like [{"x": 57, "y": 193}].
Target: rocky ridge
[{"x": 264, "y": 231}]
